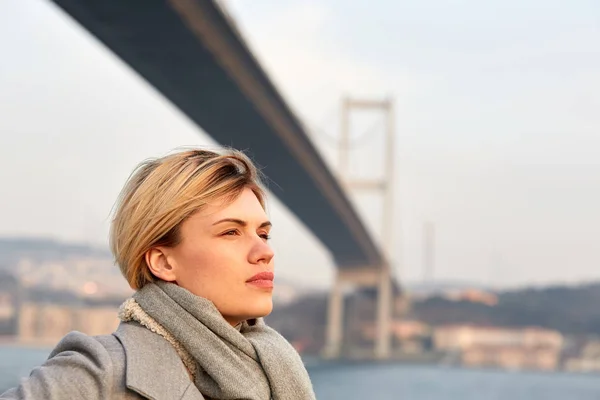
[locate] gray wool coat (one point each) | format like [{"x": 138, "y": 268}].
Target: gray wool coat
[{"x": 132, "y": 363}]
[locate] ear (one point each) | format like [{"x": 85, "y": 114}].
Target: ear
[{"x": 157, "y": 262}]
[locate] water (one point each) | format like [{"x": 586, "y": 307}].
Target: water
[
  {"x": 18, "y": 362},
  {"x": 393, "y": 382},
  {"x": 390, "y": 382}
]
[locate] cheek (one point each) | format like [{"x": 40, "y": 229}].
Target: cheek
[
  {"x": 198, "y": 262},
  {"x": 200, "y": 265}
]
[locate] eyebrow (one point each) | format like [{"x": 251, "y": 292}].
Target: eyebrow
[{"x": 241, "y": 222}]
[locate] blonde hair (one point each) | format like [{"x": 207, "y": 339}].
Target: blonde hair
[{"x": 163, "y": 192}]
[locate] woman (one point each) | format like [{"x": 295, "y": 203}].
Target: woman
[{"x": 190, "y": 235}]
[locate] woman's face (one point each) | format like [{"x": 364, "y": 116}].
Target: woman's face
[{"x": 223, "y": 250}]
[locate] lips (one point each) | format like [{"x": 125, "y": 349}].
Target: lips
[{"x": 262, "y": 279}]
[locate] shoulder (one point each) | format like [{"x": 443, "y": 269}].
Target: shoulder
[
  {"x": 96, "y": 355},
  {"x": 123, "y": 365},
  {"x": 76, "y": 344},
  {"x": 80, "y": 366}
]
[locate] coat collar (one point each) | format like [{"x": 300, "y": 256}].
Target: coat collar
[{"x": 153, "y": 368}]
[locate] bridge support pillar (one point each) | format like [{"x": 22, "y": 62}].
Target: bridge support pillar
[
  {"x": 384, "y": 315},
  {"x": 335, "y": 313},
  {"x": 379, "y": 278}
]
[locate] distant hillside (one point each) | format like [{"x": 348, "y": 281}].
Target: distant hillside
[
  {"x": 570, "y": 310},
  {"x": 40, "y": 249}
]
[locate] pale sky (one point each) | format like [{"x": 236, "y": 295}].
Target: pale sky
[{"x": 497, "y": 127}]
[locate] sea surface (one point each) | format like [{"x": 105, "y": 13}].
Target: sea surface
[{"x": 390, "y": 382}]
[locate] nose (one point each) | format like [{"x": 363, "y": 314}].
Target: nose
[{"x": 261, "y": 253}]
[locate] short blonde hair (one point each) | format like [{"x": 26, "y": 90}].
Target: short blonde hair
[{"x": 163, "y": 192}]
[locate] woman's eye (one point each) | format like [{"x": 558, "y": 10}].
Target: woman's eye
[
  {"x": 230, "y": 233},
  {"x": 265, "y": 236}
]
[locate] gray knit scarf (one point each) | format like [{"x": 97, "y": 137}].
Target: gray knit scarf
[{"x": 252, "y": 363}]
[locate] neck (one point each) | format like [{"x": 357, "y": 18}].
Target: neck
[{"x": 233, "y": 321}]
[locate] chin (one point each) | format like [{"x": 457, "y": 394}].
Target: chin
[{"x": 261, "y": 308}]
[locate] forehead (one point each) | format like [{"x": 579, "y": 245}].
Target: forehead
[{"x": 246, "y": 207}]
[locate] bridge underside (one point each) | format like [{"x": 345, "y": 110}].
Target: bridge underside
[{"x": 191, "y": 52}]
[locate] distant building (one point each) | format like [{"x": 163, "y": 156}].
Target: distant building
[
  {"x": 85, "y": 276},
  {"x": 48, "y": 322},
  {"x": 473, "y": 296},
  {"x": 284, "y": 294},
  {"x": 510, "y": 348},
  {"x": 7, "y": 308},
  {"x": 587, "y": 359},
  {"x": 10, "y": 298},
  {"x": 408, "y": 335}
]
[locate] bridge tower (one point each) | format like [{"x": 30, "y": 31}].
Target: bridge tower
[{"x": 378, "y": 277}]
